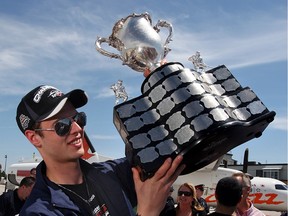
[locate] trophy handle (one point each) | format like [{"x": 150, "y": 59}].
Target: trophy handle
[
  {"x": 98, "y": 47},
  {"x": 165, "y": 24}
]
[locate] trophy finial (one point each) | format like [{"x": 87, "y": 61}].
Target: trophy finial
[
  {"x": 198, "y": 63},
  {"x": 119, "y": 91}
]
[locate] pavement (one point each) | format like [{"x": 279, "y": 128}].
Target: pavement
[
  {"x": 267, "y": 213},
  {"x": 2, "y": 188}
]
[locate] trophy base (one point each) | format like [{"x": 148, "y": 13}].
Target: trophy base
[
  {"x": 221, "y": 140},
  {"x": 198, "y": 115}
]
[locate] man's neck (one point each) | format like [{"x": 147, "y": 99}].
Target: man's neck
[
  {"x": 18, "y": 194},
  {"x": 64, "y": 173},
  {"x": 224, "y": 209},
  {"x": 243, "y": 206}
]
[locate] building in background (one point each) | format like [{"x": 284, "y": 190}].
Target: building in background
[{"x": 276, "y": 171}]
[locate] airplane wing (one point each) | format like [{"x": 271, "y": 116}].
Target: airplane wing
[{"x": 213, "y": 166}]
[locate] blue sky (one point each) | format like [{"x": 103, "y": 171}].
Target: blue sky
[{"x": 52, "y": 42}]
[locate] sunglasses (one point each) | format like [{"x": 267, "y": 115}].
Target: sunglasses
[
  {"x": 185, "y": 193},
  {"x": 63, "y": 126}
]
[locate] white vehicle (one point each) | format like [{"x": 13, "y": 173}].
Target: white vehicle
[{"x": 267, "y": 193}]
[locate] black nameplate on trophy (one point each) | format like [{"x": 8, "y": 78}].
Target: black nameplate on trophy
[{"x": 201, "y": 116}]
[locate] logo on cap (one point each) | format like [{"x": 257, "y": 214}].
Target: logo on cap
[
  {"x": 54, "y": 93},
  {"x": 24, "y": 121}
]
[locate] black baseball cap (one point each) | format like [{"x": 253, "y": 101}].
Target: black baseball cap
[{"x": 44, "y": 102}]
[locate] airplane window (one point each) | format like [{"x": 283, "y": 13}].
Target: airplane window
[{"x": 281, "y": 187}]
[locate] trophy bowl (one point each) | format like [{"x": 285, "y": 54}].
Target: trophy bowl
[{"x": 139, "y": 45}]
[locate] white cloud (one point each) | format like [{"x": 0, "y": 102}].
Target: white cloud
[
  {"x": 280, "y": 123},
  {"x": 105, "y": 92},
  {"x": 237, "y": 49},
  {"x": 103, "y": 137}
]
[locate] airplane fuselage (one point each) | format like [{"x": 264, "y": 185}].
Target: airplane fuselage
[{"x": 266, "y": 193}]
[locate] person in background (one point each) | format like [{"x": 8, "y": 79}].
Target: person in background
[
  {"x": 69, "y": 185},
  {"x": 33, "y": 172},
  {"x": 228, "y": 194},
  {"x": 245, "y": 206},
  {"x": 187, "y": 203},
  {"x": 199, "y": 193},
  {"x": 170, "y": 204},
  {"x": 12, "y": 201}
]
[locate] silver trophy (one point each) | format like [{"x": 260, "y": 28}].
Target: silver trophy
[
  {"x": 138, "y": 42},
  {"x": 200, "y": 114}
]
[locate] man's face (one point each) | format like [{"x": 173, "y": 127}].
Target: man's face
[
  {"x": 26, "y": 191},
  {"x": 33, "y": 173},
  {"x": 245, "y": 189},
  {"x": 199, "y": 192},
  {"x": 61, "y": 148}
]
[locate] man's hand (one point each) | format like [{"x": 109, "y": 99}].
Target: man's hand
[{"x": 153, "y": 192}]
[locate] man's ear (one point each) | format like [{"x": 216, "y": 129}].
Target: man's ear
[
  {"x": 33, "y": 137},
  {"x": 240, "y": 199},
  {"x": 249, "y": 189}
]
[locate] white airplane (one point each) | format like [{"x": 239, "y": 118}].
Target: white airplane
[{"x": 267, "y": 193}]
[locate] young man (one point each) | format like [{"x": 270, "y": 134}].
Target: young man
[
  {"x": 228, "y": 194},
  {"x": 11, "y": 201},
  {"x": 68, "y": 185},
  {"x": 245, "y": 206}
]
